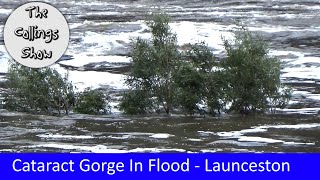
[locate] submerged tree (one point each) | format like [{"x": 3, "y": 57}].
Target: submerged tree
[
  {"x": 37, "y": 90},
  {"x": 91, "y": 101},
  {"x": 198, "y": 80},
  {"x": 162, "y": 76},
  {"x": 136, "y": 102},
  {"x": 153, "y": 65},
  {"x": 253, "y": 77}
]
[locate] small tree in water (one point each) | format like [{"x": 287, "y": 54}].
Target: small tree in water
[
  {"x": 197, "y": 81},
  {"x": 37, "y": 90},
  {"x": 91, "y": 101},
  {"x": 253, "y": 78},
  {"x": 153, "y": 65},
  {"x": 161, "y": 76}
]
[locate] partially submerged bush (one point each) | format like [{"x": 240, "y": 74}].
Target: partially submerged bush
[
  {"x": 162, "y": 76},
  {"x": 196, "y": 80},
  {"x": 253, "y": 77},
  {"x": 46, "y": 91},
  {"x": 135, "y": 102},
  {"x": 91, "y": 102},
  {"x": 154, "y": 62},
  {"x": 38, "y": 90}
]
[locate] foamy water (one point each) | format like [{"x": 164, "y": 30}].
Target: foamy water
[{"x": 99, "y": 47}]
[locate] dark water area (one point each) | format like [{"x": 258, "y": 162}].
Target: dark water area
[
  {"x": 97, "y": 57},
  {"x": 105, "y": 134}
]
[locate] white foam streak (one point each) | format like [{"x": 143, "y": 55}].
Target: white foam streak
[
  {"x": 5, "y": 11},
  {"x": 259, "y": 139},
  {"x": 242, "y": 134},
  {"x": 161, "y": 136},
  {"x": 61, "y": 136},
  {"x": 81, "y": 60},
  {"x": 93, "y": 79},
  {"x": 103, "y": 149}
]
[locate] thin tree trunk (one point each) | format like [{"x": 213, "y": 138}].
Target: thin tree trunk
[
  {"x": 59, "y": 104},
  {"x": 66, "y": 107}
]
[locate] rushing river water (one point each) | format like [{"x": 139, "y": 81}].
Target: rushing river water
[{"x": 97, "y": 57}]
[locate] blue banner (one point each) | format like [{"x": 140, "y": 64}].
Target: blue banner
[{"x": 159, "y": 166}]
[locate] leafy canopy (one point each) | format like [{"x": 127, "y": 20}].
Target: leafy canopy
[
  {"x": 38, "y": 90},
  {"x": 163, "y": 76},
  {"x": 91, "y": 102},
  {"x": 153, "y": 65},
  {"x": 253, "y": 77}
]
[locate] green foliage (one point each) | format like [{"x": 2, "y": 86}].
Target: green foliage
[
  {"x": 91, "y": 102},
  {"x": 253, "y": 77},
  {"x": 37, "y": 90},
  {"x": 162, "y": 76},
  {"x": 153, "y": 65},
  {"x": 135, "y": 102},
  {"x": 195, "y": 77},
  {"x": 189, "y": 87}
]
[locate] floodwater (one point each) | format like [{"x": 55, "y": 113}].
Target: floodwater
[
  {"x": 109, "y": 134},
  {"x": 97, "y": 56}
]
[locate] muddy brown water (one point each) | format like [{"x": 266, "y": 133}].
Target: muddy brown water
[
  {"x": 100, "y": 29},
  {"x": 112, "y": 134}
]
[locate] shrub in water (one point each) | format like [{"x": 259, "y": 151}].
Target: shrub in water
[
  {"x": 37, "y": 90},
  {"x": 253, "y": 77},
  {"x": 91, "y": 102}
]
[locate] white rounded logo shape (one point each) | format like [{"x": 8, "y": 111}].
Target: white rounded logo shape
[{"x": 36, "y": 34}]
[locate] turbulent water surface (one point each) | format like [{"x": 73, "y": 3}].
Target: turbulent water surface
[{"x": 97, "y": 57}]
